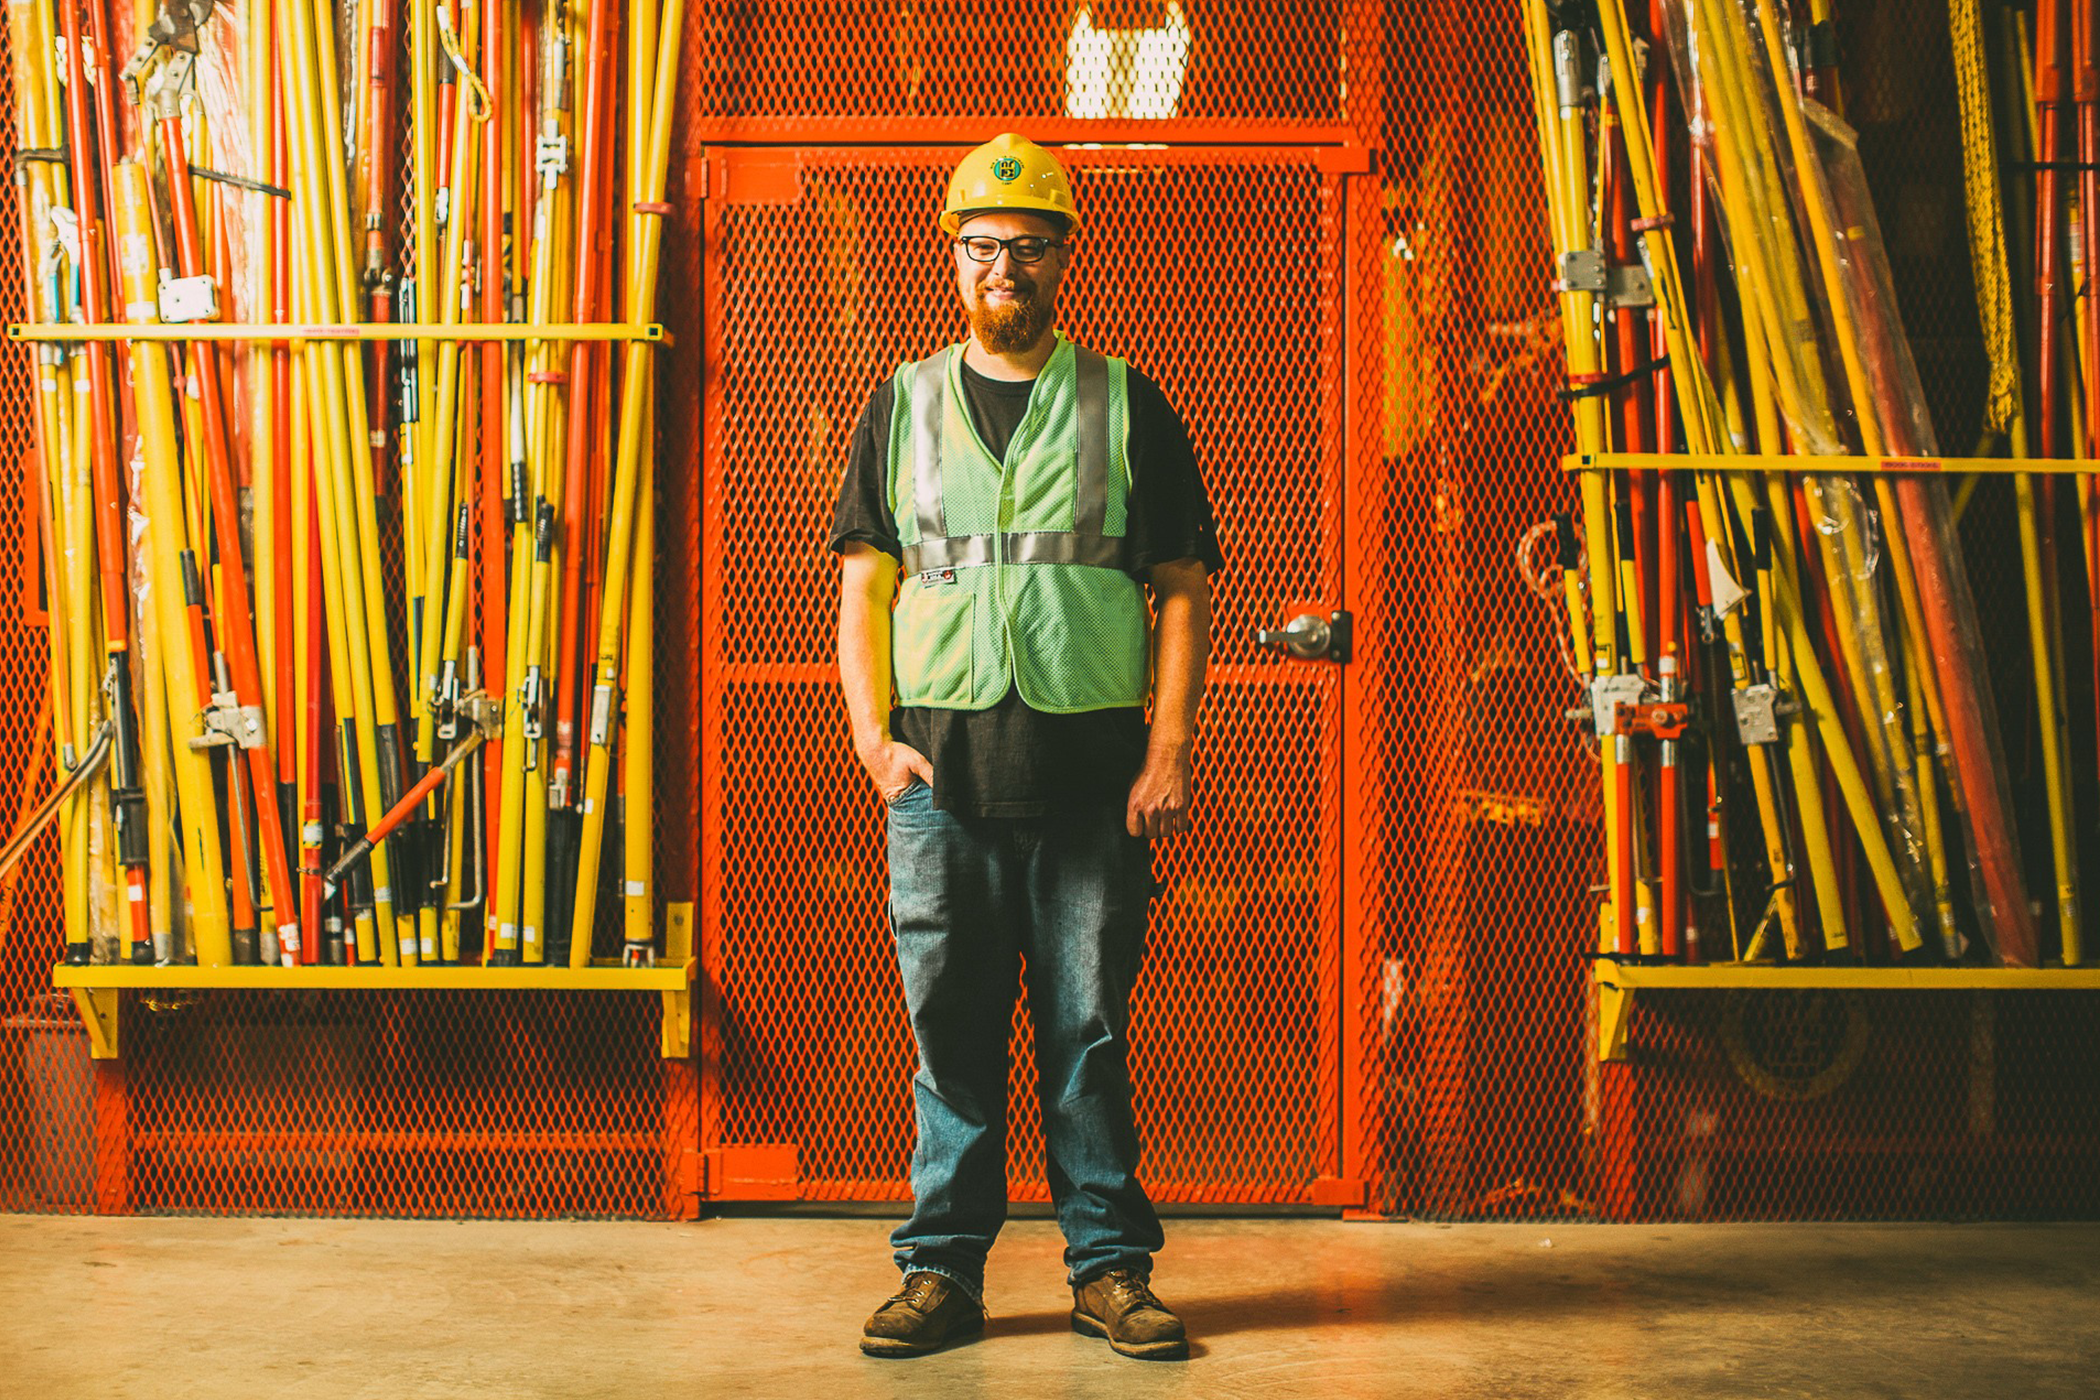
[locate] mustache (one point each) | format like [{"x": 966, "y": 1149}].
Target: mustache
[{"x": 1022, "y": 291}]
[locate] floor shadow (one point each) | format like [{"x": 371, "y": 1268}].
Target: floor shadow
[
  {"x": 1034, "y": 1324},
  {"x": 1047, "y": 1324}
]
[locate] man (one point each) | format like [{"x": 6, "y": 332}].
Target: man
[{"x": 1025, "y": 490}]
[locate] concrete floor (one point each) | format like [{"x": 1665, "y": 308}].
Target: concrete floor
[{"x": 290, "y": 1309}]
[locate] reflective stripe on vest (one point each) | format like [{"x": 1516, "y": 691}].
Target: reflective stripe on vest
[
  {"x": 1087, "y": 543},
  {"x": 982, "y": 609}
]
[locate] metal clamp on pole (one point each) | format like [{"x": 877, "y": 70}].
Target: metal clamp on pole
[
  {"x": 1759, "y": 712},
  {"x": 228, "y": 723},
  {"x": 1655, "y": 719},
  {"x": 1609, "y": 697},
  {"x": 486, "y": 717}
]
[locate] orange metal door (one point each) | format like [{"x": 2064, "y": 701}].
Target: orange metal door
[{"x": 1222, "y": 273}]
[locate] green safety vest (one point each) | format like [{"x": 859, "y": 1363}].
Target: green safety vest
[{"x": 1014, "y": 571}]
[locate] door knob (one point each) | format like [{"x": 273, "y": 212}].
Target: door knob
[{"x": 1309, "y": 637}]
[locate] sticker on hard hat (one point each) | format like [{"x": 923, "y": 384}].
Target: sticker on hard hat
[{"x": 1007, "y": 169}]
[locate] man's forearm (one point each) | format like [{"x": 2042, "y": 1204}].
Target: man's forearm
[
  {"x": 1181, "y": 655},
  {"x": 864, "y": 652}
]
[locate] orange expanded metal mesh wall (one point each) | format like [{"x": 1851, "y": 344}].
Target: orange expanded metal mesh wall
[
  {"x": 824, "y": 273},
  {"x": 1366, "y": 984}
]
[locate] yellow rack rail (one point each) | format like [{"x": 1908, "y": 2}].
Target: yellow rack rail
[
  {"x": 96, "y": 990},
  {"x": 1579, "y": 462},
  {"x": 271, "y": 332},
  {"x": 1617, "y": 982}
]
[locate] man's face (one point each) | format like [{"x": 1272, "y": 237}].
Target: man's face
[{"x": 1011, "y": 304}]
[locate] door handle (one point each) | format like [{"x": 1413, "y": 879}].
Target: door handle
[{"x": 1310, "y": 637}]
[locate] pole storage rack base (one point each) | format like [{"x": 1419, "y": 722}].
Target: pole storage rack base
[
  {"x": 97, "y": 990},
  {"x": 1617, "y": 982}
]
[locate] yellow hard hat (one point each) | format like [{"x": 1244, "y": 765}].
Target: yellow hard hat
[{"x": 1008, "y": 172}]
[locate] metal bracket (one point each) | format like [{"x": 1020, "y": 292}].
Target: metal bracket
[
  {"x": 482, "y": 711},
  {"x": 677, "y": 1042},
  {"x": 1582, "y": 270},
  {"x": 531, "y": 723},
  {"x": 174, "y": 26},
  {"x": 98, "y": 1012},
  {"x": 444, "y": 703},
  {"x": 1657, "y": 720},
  {"x": 226, "y": 721},
  {"x": 1759, "y": 710},
  {"x": 1608, "y": 694},
  {"x": 1614, "y": 1018},
  {"x": 187, "y": 299},
  {"x": 550, "y": 157},
  {"x": 1627, "y": 286}
]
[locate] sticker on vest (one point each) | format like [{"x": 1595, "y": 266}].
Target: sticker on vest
[{"x": 936, "y": 576}]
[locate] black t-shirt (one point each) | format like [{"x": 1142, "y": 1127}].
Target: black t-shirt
[{"x": 1010, "y": 760}]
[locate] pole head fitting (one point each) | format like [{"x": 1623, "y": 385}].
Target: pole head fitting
[{"x": 482, "y": 711}]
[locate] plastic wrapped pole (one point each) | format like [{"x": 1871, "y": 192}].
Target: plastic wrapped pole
[
  {"x": 1891, "y": 415},
  {"x": 1745, "y": 169}
]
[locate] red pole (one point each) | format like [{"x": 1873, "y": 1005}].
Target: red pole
[
  {"x": 1663, "y": 602},
  {"x": 2085, "y": 64},
  {"x": 586, "y": 406},
  {"x": 495, "y": 440},
  {"x": 236, "y": 629},
  {"x": 127, "y": 797},
  {"x": 285, "y": 528}
]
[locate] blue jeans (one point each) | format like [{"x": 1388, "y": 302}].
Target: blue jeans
[{"x": 970, "y": 900}]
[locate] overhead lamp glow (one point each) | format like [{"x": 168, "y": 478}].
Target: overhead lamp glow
[{"x": 1126, "y": 72}]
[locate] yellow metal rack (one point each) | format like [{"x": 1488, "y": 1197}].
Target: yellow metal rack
[
  {"x": 1827, "y": 466},
  {"x": 98, "y": 990},
  {"x": 1618, "y": 981},
  {"x": 271, "y": 332}
]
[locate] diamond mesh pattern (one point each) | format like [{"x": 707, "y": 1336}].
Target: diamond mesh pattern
[
  {"x": 1370, "y": 971},
  {"x": 384, "y": 1103},
  {"x": 815, "y": 1047},
  {"x": 1734, "y": 1105},
  {"x": 823, "y": 69},
  {"x": 1480, "y": 981}
]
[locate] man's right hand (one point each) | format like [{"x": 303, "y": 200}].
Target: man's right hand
[{"x": 892, "y": 766}]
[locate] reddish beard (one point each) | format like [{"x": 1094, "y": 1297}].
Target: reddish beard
[{"x": 1014, "y": 327}]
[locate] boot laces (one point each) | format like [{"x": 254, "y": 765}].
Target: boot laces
[
  {"x": 918, "y": 1291},
  {"x": 1133, "y": 1291}
]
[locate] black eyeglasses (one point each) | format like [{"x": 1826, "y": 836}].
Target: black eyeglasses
[{"x": 984, "y": 248}]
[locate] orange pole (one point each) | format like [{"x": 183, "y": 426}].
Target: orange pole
[
  {"x": 2085, "y": 68},
  {"x": 236, "y": 630},
  {"x": 587, "y": 405},
  {"x": 497, "y": 23},
  {"x": 90, "y": 148}
]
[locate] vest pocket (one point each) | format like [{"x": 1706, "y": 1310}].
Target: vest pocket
[{"x": 935, "y": 642}]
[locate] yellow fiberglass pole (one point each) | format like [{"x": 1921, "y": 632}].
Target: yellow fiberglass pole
[
  {"x": 1783, "y": 282},
  {"x": 644, "y": 243},
  {"x": 517, "y": 897},
  {"x": 446, "y": 470},
  {"x": 1557, "y": 94},
  {"x": 638, "y": 745},
  {"x": 342, "y": 476},
  {"x": 1698, "y": 408},
  {"x": 153, "y": 403}
]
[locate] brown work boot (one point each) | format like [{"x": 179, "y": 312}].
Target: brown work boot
[
  {"x": 929, "y": 1312},
  {"x": 1120, "y": 1306}
]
